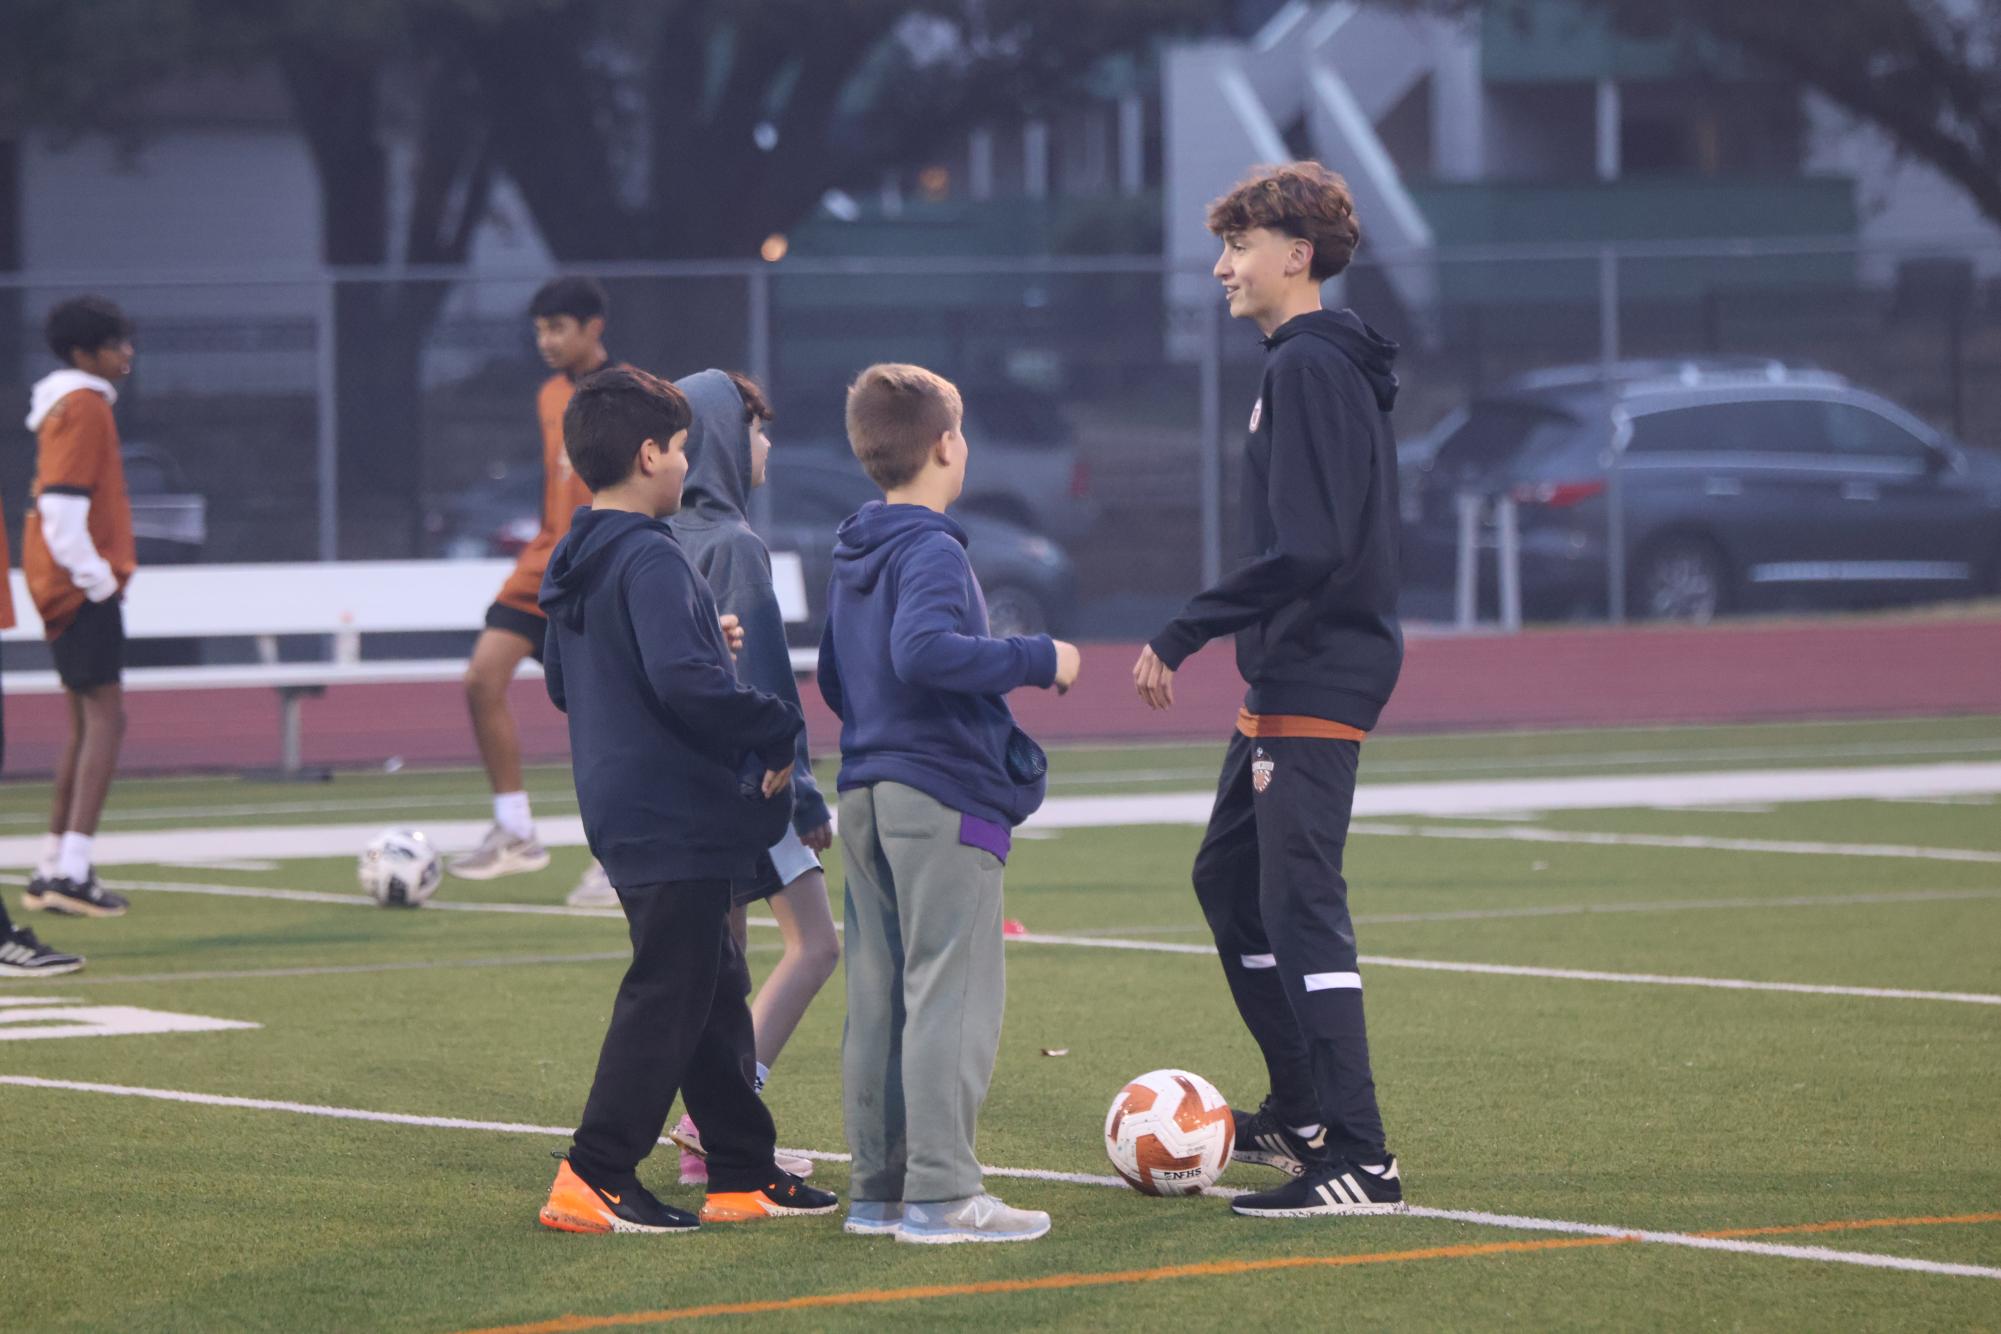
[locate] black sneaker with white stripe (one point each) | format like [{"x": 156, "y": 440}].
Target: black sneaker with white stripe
[
  {"x": 1331, "y": 1188},
  {"x": 21, "y": 955},
  {"x": 73, "y": 899},
  {"x": 1263, "y": 1138}
]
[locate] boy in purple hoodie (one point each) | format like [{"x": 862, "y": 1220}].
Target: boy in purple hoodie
[{"x": 934, "y": 776}]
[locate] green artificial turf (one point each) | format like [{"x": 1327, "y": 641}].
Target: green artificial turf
[{"x": 1648, "y": 1106}]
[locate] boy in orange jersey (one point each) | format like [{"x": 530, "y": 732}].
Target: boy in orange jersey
[
  {"x": 78, "y": 554},
  {"x": 569, "y": 316}
]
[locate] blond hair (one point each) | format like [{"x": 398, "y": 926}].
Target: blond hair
[{"x": 896, "y": 412}]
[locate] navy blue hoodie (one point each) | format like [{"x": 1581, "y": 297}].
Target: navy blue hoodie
[
  {"x": 907, "y": 664},
  {"x": 1314, "y": 607},
  {"x": 667, "y": 747}
]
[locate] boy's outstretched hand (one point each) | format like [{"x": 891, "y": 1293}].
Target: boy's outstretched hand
[
  {"x": 732, "y": 635},
  {"x": 1154, "y": 679},
  {"x": 819, "y": 840},
  {"x": 1068, "y": 663},
  {"x": 775, "y": 781}
]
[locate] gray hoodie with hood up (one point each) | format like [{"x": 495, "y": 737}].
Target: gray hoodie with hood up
[{"x": 713, "y": 530}]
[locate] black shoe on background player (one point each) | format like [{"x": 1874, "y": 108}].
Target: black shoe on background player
[
  {"x": 73, "y": 899},
  {"x": 1265, "y": 1139}
]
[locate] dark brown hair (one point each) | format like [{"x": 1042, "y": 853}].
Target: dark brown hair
[
  {"x": 612, "y": 413},
  {"x": 1301, "y": 199},
  {"x": 756, "y": 407},
  {"x": 896, "y": 413}
]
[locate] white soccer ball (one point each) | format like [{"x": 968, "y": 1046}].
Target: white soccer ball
[
  {"x": 1169, "y": 1132},
  {"x": 400, "y": 869}
]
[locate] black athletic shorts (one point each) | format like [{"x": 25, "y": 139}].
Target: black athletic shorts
[
  {"x": 515, "y": 621},
  {"x": 760, "y": 885},
  {"x": 90, "y": 652}
]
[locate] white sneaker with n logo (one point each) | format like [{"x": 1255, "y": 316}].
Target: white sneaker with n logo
[{"x": 976, "y": 1218}]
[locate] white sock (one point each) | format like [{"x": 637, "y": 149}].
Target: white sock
[
  {"x": 73, "y": 858},
  {"x": 1308, "y": 1132},
  {"x": 763, "y": 1076},
  {"x": 510, "y": 812},
  {"x": 52, "y": 851},
  {"x": 1375, "y": 1169}
]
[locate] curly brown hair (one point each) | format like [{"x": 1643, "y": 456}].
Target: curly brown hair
[{"x": 1301, "y": 199}]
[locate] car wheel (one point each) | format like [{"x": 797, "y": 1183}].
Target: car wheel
[
  {"x": 1681, "y": 579},
  {"x": 1013, "y": 610}
]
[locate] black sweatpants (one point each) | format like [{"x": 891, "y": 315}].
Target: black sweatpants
[
  {"x": 680, "y": 1023},
  {"x": 1269, "y": 880}
]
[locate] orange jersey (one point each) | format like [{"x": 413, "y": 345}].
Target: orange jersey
[
  {"x": 562, "y": 492},
  {"x": 76, "y": 453}
]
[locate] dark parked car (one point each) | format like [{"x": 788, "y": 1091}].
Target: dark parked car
[
  {"x": 1741, "y": 485},
  {"x": 1026, "y": 464},
  {"x": 1030, "y": 584},
  {"x": 169, "y": 520}
]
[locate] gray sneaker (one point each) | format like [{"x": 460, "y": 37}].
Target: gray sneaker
[
  {"x": 976, "y": 1218},
  {"x": 873, "y": 1218},
  {"x": 499, "y": 853},
  {"x": 593, "y": 890}
]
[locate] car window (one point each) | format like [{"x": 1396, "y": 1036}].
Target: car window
[
  {"x": 1773, "y": 427},
  {"x": 1498, "y": 433},
  {"x": 145, "y": 475},
  {"x": 1858, "y": 432}
]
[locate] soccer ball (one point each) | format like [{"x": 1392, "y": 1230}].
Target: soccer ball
[
  {"x": 1169, "y": 1132},
  {"x": 400, "y": 869}
]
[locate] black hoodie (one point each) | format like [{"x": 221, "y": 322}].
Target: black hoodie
[
  {"x": 1314, "y": 608},
  {"x": 667, "y": 747}
]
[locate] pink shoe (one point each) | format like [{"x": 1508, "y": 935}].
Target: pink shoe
[{"x": 694, "y": 1163}]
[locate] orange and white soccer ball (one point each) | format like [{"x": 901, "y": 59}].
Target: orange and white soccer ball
[{"x": 1169, "y": 1133}]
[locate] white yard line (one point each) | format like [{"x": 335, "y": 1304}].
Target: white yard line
[
  {"x": 1459, "y": 799},
  {"x": 1554, "y": 974},
  {"x": 1476, "y": 1218},
  {"x": 1795, "y": 847},
  {"x": 1152, "y": 946}
]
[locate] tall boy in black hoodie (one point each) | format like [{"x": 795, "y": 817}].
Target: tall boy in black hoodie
[
  {"x": 683, "y": 781},
  {"x": 1318, "y": 643}
]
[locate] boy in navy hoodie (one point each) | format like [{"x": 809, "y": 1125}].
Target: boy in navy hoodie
[
  {"x": 934, "y": 776},
  {"x": 683, "y": 778}
]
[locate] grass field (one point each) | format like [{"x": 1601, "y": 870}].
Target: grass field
[{"x": 1655, "y": 1091}]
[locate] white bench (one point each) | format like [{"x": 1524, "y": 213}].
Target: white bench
[{"x": 340, "y": 599}]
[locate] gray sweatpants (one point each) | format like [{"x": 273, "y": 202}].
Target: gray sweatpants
[{"x": 926, "y": 987}]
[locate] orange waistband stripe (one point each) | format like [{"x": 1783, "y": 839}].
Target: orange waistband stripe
[{"x": 1296, "y": 725}]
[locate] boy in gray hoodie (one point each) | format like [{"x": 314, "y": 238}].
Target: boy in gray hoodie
[{"x": 727, "y": 457}]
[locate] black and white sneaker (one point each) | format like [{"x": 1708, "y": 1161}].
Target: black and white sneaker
[
  {"x": 1330, "y": 1188},
  {"x": 21, "y": 955},
  {"x": 1263, "y": 1138},
  {"x": 89, "y": 899},
  {"x": 38, "y": 888}
]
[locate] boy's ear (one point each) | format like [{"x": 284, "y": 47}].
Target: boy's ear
[{"x": 594, "y": 328}]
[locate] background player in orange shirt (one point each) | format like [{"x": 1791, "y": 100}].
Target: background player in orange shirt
[
  {"x": 569, "y": 316},
  {"x": 77, "y": 553}
]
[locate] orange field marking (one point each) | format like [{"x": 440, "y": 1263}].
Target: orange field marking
[
  {"x": 1852, "y": 1225},
  {"x": 574, "y": 1324},
  {"x": 571, "y": 1324}
]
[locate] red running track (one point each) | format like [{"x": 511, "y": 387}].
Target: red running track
[{"x": 1769, "y": 672}]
